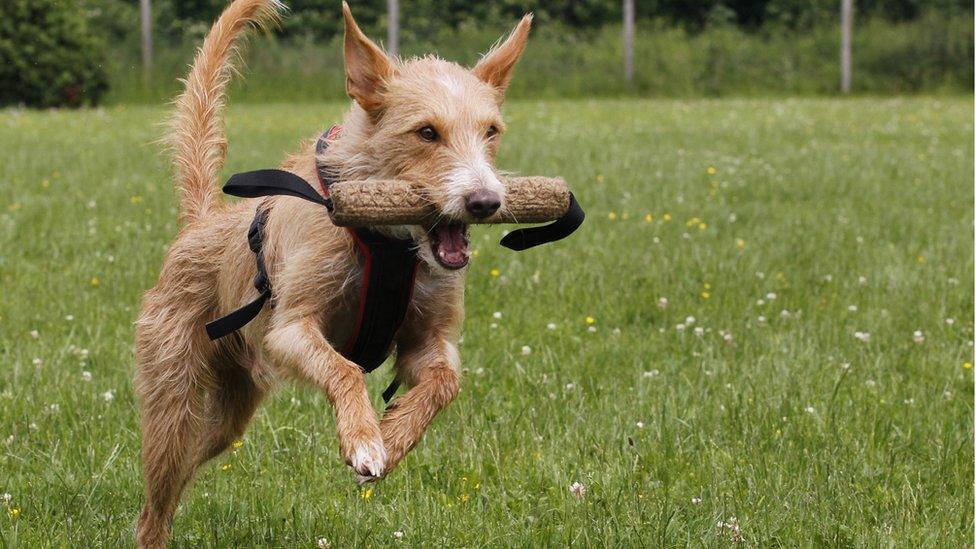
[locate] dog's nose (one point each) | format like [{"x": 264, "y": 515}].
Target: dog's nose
[{"x": 482, "y": 204}]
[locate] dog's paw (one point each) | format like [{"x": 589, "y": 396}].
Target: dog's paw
[
  {"x": 362, "y": 480},
  {"x": 368, "y": 459}
]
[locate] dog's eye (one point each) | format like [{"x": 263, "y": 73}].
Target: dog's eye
[
  {"x": 492, "y": 131},
  {"x": 427, "y": 133}
]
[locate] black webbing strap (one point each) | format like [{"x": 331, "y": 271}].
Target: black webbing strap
[
  {"x": 226, "y": 325},
  {"x": 272, "y": 183},
  {"x": 523, "y": 239}
]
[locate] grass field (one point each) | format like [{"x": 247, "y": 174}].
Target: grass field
[{"x": 809, "y": 239}]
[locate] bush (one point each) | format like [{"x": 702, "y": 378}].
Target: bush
[{"x": 47, "y": 57}]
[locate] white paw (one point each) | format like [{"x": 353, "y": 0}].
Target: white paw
[{"x": 369, "y": 459}]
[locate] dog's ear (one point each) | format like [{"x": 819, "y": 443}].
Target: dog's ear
[
  {"x": 367, "y": 67},
  {"x": 496, "y": 66}
]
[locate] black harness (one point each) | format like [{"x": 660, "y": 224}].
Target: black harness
[{"x": 389, "y": 269}]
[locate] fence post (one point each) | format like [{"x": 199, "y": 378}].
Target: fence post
[
  {"x": 393, "y": 27},
  {"x": 846, "y": 22},
  {"x": 145, "y": 16},
  {"x": 629, "y": 40}
]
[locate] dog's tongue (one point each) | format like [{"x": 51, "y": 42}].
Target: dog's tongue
[{"x": 452, "y": 245}]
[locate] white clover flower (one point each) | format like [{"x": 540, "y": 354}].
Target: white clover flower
[
  {"x": 323, "y": 543},
  {"x": 690, "y": 320},
  {"x": 6, "y": 497},
  {"x": 761, "y": 319},
  {"x": 696, "y": 500},
  {"x": 732, "y": 217},
  {"x": 771, "y": 296},
  {"x": 591, "y": 329},
  {"x": 86, "y": 376},
  {"x": 828, "y": 278},
  {"x": 493, "y": 325},
  {"x": 852, "y": 308},
  {"x": 810, "y": 410},
  {"x": 551, "y": 326},
  {"x": 784, "y": 314},
  {"x": 652, "y": 373},
  {"x": 760, "y": 302},
  {"x": 109, "y": 395},
  {"x": 69, "y": 318},
  {"x": 950, "y": 321},
  {"x": 526, "y": 350},
  {"x": 662, "y": 303},
  {"x": 35, "y": 334},
  {"x": 699, "y": 331},
  {"x": 577, "y": 489},
  {"x": 54, "y": 408},
  {"x": 479, "y": 371},
  {"x": 398, "y": 534},
  {"x": 864, "y": 337},
  {"x": 496, "y": 315},
  {"x": 870, "y": 383},
  {"x": 846, "y": 366},
  {"x": 570, "y": 386},
  {"x": 862, "y": 280},
  {"x": 953, "y": 281},
  {"x": 918, "y": 337},
  {"x": 727, "y": 336},
  {"x": 760, "y": 275},
  {"x": 680, "y": 327},
  {"x": 37, "y": 362},
  {"x": 640, "y": 424}
]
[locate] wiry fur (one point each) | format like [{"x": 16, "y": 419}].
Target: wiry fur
[{"x": 197, "y": 396}]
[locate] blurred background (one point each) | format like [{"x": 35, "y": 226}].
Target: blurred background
[{"x": 77, "y": 52}]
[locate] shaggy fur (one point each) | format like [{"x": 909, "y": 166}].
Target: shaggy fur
[{"x": 197, "y": 396}]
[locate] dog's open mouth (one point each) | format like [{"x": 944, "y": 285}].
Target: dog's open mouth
[{"x": 449, "y": 243}]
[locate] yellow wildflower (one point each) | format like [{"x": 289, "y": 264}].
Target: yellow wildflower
[
  {"x": 711, "y": 170},
  {"x": 648, "y": 218},
  {"x": 667, "y": 217},
  {"x": 707, "y": 286},
  {"x": 599, "y": 178},
  {"x": 475, "y": 252},
  {"x": 237, "y": 444},
  {"x": 94, "y": 282},
  {"x": 920, "y": 259},
  {"x": 590, "y": 320},
  {"x": 495, "y": 273},
  {"x": 705, "y": 295},
  {"x": 14, "y": 512},
  {"x": 135, "y": 199},
  {"x": 612, "y": 216},
  {"x": 45, "y": 183},
  {"x": 739, "y": 243},
  {"x": 366, "y": 494},
  {"x": 225, "y": 467},
  {"x": 702, "y": 226},
  {"x": 463, "y": 498},
  {"x": 13, "y": 207},
  {"x": 625, "y": 216},
  {"x": 967, "y": 365}
]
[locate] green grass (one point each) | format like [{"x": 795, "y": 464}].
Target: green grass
[{"x": 806, "y": 434}]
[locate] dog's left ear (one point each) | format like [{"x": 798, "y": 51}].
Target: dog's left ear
[
  {"x": 367, "y": 67},
  {"x": 495, "y": 68}
]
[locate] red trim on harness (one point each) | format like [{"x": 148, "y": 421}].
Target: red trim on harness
[{"x": 367, "y": 267}]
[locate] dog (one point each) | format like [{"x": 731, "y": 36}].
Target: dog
[{"x": 426, "y": 120}]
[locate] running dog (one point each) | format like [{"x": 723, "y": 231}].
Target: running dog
[{"x": 422, "y": 119}]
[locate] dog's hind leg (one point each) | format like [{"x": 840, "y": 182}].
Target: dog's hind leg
[
  {"x": 230, "y": 404},
  {"x": 171, "y": 381}
]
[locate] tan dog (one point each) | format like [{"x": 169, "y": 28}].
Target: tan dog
[{"x": 423, "y": 119}]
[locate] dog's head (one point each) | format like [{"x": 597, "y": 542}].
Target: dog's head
[{"x": 435, "y": 123}]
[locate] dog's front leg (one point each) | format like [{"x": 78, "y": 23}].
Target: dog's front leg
[
  {"x": 301, "y": 345},
  {"x": 430, "y": 368}
]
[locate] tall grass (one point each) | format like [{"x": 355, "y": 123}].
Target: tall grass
[{"x": 933, "y": 54}]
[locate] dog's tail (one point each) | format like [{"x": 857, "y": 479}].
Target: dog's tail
[{"x": 197, "y": 129}]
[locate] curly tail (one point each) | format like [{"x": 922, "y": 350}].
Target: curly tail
[{"x": 197, "y": 129}]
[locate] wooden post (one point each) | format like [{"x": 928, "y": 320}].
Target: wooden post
[
  {"x": 629, "y": 40},
  {"x": 393, "y": 27},
  {"x": 145, "y": 13},
  {"x": 846, "y": 22}
]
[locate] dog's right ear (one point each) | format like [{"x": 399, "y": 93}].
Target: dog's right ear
[{"x": 367, "y": 67}]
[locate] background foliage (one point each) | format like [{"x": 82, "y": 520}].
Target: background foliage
[
  {"x": 47, "y": 55},
  {"x": 683, "y": 48}
]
